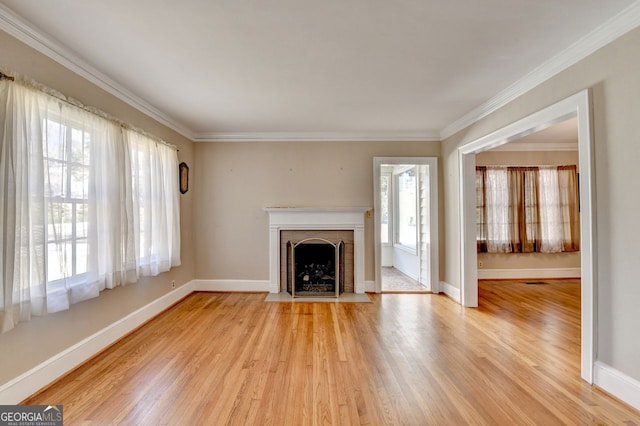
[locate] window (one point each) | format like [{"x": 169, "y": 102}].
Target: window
[
  {"x": 481, "y": 219},
  {"x": 385, "y": 199},
  {"x": 497, "y": 208},
  {"x": 550, "y": 214},
  {"x": 66, "y": 186},
  {"x": 87, "y": 204},
  {"x": 406, "y": 234},
  {"x": 154, "y": 178},
  {"x": 527, "y": 209}
]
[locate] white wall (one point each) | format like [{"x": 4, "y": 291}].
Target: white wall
[
  {"x": 386, "y": 256},
  {"x": 407, "y": 263}
]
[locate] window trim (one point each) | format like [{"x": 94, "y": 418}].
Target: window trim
[
  {"x": 390, "y": 208},
  {"x": 396, "y": 207}
]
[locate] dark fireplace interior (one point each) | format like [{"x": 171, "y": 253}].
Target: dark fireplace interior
[{"x": 313, "y": 266}]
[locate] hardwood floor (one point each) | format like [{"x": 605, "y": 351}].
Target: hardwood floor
[{"x": 414, "y": 359}]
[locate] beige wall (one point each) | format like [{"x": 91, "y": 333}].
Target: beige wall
[
  {"x": 33, "y": 342},
  {"x": 528, "y": 260},
  {"x": 613, "y": 74},
  {"x": 231, "y": 183},
  {"x": 235, "y": 181}
]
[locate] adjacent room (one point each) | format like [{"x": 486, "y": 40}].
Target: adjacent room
[{"x": 218, "y": 212}]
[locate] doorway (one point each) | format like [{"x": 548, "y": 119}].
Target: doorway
[
  {"x": 532, "y": 182},
  {"x": 578, "y": 106},
  {"x": 406, "y": 224}
]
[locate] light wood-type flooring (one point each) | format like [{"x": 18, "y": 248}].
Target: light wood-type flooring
[{"x": 413, "y": 359}]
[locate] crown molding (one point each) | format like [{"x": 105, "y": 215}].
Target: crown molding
[
  {"x": 27, "y": 33},
  {"x": 615, "y": 27},
  {"x": 537, "y": 146},
  {"x": 318, "y": 137},
  {"x": 612, "y": 29}
]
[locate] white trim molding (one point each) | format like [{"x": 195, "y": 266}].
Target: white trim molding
[
  {"x": 578, "y": 105},
  {"x": 28, "y": 383},
  {"x": 27, "y": 33},
  {"x": 614, "y": 28},
  {"x": 21, "y": 387},
  {"x": 318, "y": 137},
  {"x": 369, "y": 286},
  {"x": 617, "y": 384},
  {"x": 313, "y": 219},
  {"x": 429, "y": 259},
  {"x": 231, "y": 285},
  {"x": 502, "y": 274},
  {"x": 450, "y": 291}
]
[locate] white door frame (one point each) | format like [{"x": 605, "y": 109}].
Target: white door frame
[
  {"x": 432, "y": 162},
  {"x": 578, "y": 105}
]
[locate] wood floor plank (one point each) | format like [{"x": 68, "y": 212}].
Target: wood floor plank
[{"x": 410, "y": 359}]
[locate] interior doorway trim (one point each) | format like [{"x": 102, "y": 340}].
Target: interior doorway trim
[
  {"x": 578, "y": 105},
  {"x": 432, "y": 163}
]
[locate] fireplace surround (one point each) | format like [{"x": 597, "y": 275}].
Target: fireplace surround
[{"x": 311, "y": 219}]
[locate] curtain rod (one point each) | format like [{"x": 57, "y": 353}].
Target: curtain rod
[
  {"x": 3, "y": 76},
  {"x": 525, "y": 166},
  {"x": 74, "y": 102}
]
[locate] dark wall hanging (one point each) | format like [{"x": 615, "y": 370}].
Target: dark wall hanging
[{"x": 184, "y": 178}]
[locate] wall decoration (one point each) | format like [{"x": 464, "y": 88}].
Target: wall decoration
[{"x": 184, "y": 178}]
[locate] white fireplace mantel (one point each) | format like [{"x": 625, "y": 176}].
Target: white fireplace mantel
[{"x": 316, "y": 218}]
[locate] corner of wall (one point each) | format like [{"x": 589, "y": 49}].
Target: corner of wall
[
  {"x": 451, "y": 291},
  {"x": 28, "y": 383},
  {"x": 618, "y": 384}
]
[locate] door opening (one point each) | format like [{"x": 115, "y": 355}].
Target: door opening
[
  {"x": 406, "y": 224},
  {"x": 578, "y": 106}
]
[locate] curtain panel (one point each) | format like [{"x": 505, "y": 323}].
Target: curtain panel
[
  {"x": 85, "y": 204},
  {"x": 527, "y": 209}
]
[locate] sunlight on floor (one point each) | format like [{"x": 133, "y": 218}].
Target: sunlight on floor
[{"x": 395, "y": 281}]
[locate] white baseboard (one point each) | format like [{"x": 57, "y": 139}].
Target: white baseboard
[
  {"x": 21, "y": 387},
  {"x": 450, "y": 291},
  {"x": 617, "y": 384},
  {"x": 232, "y": 285},
  {"x": 497, "y": 274},
  {"x": 369, "y": 286}
]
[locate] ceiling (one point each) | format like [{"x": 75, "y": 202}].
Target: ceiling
[
  {"x": 562, "y": 136},
  {"x": 301, "y": 69}
]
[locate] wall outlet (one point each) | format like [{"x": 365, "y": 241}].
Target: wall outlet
[
  {"x": 480, "y": 264},
  {"x": 173, "y": 283}
]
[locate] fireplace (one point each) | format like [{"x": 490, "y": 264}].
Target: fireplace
[
  {"x": 315, "y": 268},
  {"x": 334, "y": 224},
  {"x": 316, "y": 246}
]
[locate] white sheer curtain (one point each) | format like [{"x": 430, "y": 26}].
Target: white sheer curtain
[
  {"x": 497, "y": 210},
  {"x": 551, "y": 228},
  {"x": 68, "y": 137},
  {"x": 156, "y": 204},
  {"x": 527, "y": 209},
  {"x": 85, "y": 204},
  {"x": 111, "y": 235},
  {"x": 22, "y": 207}
]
